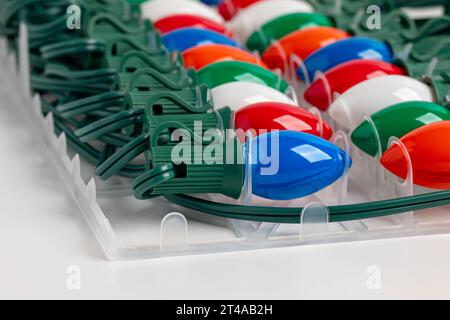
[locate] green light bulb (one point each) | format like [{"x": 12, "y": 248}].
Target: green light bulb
[{"x": 396, "y": 121}]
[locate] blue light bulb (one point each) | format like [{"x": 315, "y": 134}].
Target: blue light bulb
[
  {"x": 185, "y": 38},
  {"x": 344, "y": 50},
  {"x": 212, "y": 2},
  {"x": 288, "y": 165}
]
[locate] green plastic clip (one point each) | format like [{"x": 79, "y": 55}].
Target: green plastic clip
[
  {"x": 157, "y": 104},
  {"x": 107, "y": 27},
  {"x": 150, "y": 80},
  {"x": 202, "y": 123},
  {"x": 435, "y": 73},
  {"x": 163, "y": 63},
  {"x": 187, "y": 100},
  {"x": 147, "y": 82},
  {"x": 122, "y": 9}
]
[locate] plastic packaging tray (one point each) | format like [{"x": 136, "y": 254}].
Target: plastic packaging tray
[{"x": 127, "y": 228}]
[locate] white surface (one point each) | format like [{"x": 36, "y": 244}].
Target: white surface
[{"x": 42, "y": 234}]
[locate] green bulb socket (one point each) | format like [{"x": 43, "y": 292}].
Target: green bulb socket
[{"x": 197, "y": 171}]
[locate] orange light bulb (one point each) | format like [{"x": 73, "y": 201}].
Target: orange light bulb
[
  {"x": 201, "y": 56},
  {"x": 430, "y": 156}
]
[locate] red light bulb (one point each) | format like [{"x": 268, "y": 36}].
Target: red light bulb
[
  {"x": 430, "y": 156},
  {"x": 179, "y": 21},
  {"x": 229, "y": 8},
  {"x": 344, "y": 76},
  {"x": 280, "y": 116}
]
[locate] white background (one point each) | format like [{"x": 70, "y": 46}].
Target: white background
[{"x": 42, "y": 234}]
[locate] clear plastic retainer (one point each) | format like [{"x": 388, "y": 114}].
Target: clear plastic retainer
[{"x": 175, "y": 235}]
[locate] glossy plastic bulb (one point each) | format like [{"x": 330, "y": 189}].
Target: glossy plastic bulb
[
  {"x": 279, "y": 27},
  {"x": 396, "y": 121},
  {"x": 374, "y": 95},
  {"x": 344, "y": 76},
  {"x": 212, "y": 2},
  {"x": 429, "y": 153},
  {"x": 280, "y": 116},
  {"x": 302, "y": 43},
  {"x": 199, "y": 57},
  {"x": 223, "y": 72},
  {"x": 175, "y": 22},
  {"x": 186, "y": 38},
  {"x": 155, "y": 10},
  {"x": 253, "y": 17},
  {"x": 289, "y": 165},
  {"x": 229, "y": 8},
  {"x": 345, "y": 50},
  {"x": 240, "y": 94}
]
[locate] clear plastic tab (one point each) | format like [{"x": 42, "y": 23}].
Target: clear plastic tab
[
  {"x": 296, "y": 63},
  {"x": 174, "y": 230},
  {"x": 320, "y": 76},
  {"x": 403, "y": 188},
  {"x": 314, "y": 220},
  {"x": 250, "y": 229},
  {"x": 284, "y": 57},
  {"x": 337, "y": 193}
]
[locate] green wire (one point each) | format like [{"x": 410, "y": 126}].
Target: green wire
[
  {"x": 120, "y": 159},
  {"x": 110, "y": 124},
  {"x": 337, "y": 213}
]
